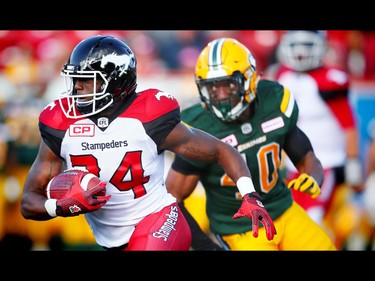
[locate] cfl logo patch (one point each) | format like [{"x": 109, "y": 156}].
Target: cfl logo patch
[
  {"x": 82, "y": 130},
  {"x": 103, "y": 122}
]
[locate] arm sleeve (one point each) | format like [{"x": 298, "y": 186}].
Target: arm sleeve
[
  {"x": 182, "y": 166},
  {"x": 53, "y": 138},
  {"x": 297, "y": 144}
]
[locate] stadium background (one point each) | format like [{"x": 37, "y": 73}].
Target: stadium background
[{"x": 30, "y": 64}]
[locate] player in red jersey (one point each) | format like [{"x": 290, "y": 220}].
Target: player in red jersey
[
  {"x": 103, "y": 125},
  {"x": 326, "y": 116}
]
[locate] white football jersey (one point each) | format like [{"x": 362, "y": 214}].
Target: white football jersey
[
  {"x": 123, "y": 151},
  {"x": 316, "y": 119}
]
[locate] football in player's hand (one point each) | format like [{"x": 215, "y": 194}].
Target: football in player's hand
[{"x": 73, "y": 180}]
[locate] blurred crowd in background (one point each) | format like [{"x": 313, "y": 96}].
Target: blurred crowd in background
[{"x": 30, "y": 65}]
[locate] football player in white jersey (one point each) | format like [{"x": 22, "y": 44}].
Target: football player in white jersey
[
  {"x": 326, "y": 117},
  {"x": 101, "y": 124}
]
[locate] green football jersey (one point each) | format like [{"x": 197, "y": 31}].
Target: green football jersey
[{"x": 260, "y": 141}]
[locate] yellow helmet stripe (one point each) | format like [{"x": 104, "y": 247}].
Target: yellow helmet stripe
[{"x": 287, "y": 104}]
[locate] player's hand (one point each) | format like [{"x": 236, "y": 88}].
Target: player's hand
[
  {"x": 82, "y": 202},
  {"x": 354, "y": 174},
  {"x": 306, "y": 184},
  {"x": 253, "y": 208}
]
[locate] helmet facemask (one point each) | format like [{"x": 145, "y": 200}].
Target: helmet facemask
[
  {"x": 87, "y": 104},
  {"x": 229, "y": 108}
]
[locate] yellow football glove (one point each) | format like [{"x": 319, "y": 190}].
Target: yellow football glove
[{"x": 306, "y": 184}]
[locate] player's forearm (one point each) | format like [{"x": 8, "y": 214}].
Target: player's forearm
[
  {"x": 371, "y": 159},
  {"x": 234, "y": 164},
  {"x": 312, "y": 166},
  {"x": 32, "y": 207},
  {"x": 352, "y": 143},
  {"x": 236, "y": 168}
]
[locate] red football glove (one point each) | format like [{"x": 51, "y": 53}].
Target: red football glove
[
  {"x": 253, "y": 208},
  {"x": 74, "y": 203}
]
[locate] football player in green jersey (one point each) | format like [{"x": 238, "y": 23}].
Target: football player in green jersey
[{"x": 258, "y": 118}]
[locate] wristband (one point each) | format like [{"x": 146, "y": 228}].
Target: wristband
[
  {"x": 50, "y": 206},
  {"x": 245, "y": 185}
]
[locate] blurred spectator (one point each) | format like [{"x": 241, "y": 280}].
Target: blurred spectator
[
  {"x": 146, "y": 52},
  {"x": 352, "y": 51},
  {"x": 262, "y": 44},
  {"x": 179, "y": 49}
]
